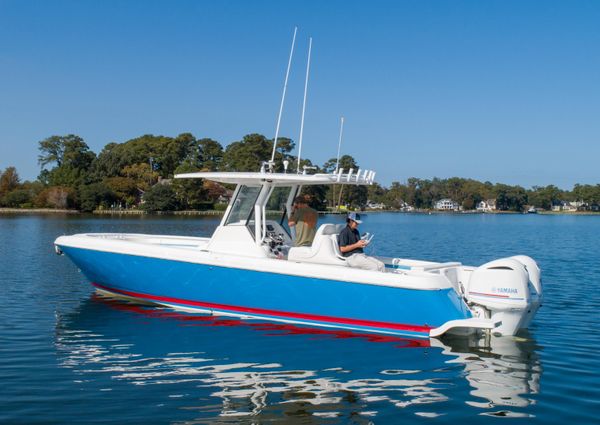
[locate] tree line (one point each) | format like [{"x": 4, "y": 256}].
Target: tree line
[
  {"x": 423, "y": 193},
  {"x": 139, "y": 173}
]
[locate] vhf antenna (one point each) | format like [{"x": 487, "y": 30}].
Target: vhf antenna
[
  {"x": 337, "y": 163},
  {"x": 304, "y": 104},
  {"x": 287, "y": 74}
]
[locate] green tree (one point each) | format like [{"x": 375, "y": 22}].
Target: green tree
[
  {"x": 351, "y": 195},
  {"x": 210, "y": 154},
  {"x": 473, "y": 193},
  {"x": 377, "y": 193},
  {"x": 69, "y": 150},
  {"x": 160, "y": 197},
  {"x": 125, "y": 190},
  {"x": 169, "y": 154},
  {"x": 51, "y": 151},
  {"x": 420, "y": 192},
  {"x": 317, "y": 196},
  {"x": 587, "y": 193},
  {"x": 142, "y": 175},
  {"x": 545, "y": 197},
  {"x": 190, "y": 193},
  {"x": 163, "y": 154},
  {"x": 71, "y": 157},
  {"x": 510, "y": 198},
  {"x": 249, "y": 153},
  {"x": 397, "y": 195},
  {"x": 96, "y": 195},
  {"x": 452, "y": 188},
  {"x": 33, "y": 188},
  {"x": 16, "y": 198}
]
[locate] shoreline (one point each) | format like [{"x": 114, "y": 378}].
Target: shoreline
[
  {"x": 45, "y": 211},
  {"x": 142, "y": 212},
  {"x": 37, "y": 211}
]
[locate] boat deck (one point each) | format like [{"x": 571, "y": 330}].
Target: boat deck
[
  {"x": 183, "y": 242},
  {"x": 200, "y": 243}
]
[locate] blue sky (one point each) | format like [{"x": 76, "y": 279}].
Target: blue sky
[{"x": 505, "y": 91}]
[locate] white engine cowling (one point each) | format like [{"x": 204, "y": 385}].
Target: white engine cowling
[
  {"x": 536, "y": 292},
  {"x": 510, "y": 289}
]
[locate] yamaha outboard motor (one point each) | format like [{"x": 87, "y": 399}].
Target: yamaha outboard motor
[{"x": 508, "y": 290}]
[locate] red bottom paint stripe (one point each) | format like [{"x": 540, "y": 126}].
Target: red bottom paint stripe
[{"x": 282, "y": 314}]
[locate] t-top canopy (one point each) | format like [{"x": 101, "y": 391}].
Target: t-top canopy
[{"x": 361, "y": 177}]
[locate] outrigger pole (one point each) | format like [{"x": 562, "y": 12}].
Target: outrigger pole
[
  {"x": 337, "y": 163},
  {"x": 283, "y": 99},
  {"x": 304, "y": 104}
]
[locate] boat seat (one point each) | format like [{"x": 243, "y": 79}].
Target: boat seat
[{"x": 324, "y": 249}]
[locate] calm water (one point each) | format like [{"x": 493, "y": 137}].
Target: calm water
[{"x": 67, "y": 355}]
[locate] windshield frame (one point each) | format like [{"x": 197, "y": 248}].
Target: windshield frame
[
  {"x": 242, "y": 207},
  {"x": 283, "y": 207}
]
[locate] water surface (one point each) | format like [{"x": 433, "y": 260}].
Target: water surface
[{"x": 69, "y": 355}]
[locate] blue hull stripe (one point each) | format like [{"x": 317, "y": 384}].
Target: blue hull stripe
[{"x": 277, "y": 296}]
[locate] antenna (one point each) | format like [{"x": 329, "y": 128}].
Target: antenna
[
  {"x": 287, "y": 74},
  {"x": 337, "y": 164},
  {"x": 304, "y": 104}
]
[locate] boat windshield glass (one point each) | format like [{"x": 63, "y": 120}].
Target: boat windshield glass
[
  {"x": 276, "y": 206},
  {"x": 243, "y": 205}
]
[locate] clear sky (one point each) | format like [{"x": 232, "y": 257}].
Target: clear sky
[{"x": 505, "y": 91}]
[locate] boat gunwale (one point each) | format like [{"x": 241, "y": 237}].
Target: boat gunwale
[{"x": 315, "y": 271}]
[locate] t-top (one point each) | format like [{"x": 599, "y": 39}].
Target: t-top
[
  {"x": 306, "y": 223},
  {"x": 347, "y": 237}
]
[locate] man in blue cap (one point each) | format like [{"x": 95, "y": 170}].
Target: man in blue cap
[{"x": 351, "y": 246}]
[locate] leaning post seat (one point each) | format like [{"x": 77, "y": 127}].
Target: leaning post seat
[{"x": 324, "y": 249}]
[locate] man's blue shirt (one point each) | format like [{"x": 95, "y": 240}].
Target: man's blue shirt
[{"x": 347, "y": 237}]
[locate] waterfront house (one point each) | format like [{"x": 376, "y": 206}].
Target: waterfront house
[
  {"x": 584, "y": 206},
  {"x": 487, "y": 205},
  {"x": 446, "y": 205},
  {"x": 375, "y": 205},
  {"x": 404, "y": 206},
  {"x": 578, "y": 205},
  {"x": 566, "y": 206}
]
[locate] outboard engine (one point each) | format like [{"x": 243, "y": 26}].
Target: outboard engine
[
  {"x": 535, "y": 286},
  {"x": 509, "y": 290}
]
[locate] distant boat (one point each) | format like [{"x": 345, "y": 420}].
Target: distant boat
[{"x": 532, "y": 210}]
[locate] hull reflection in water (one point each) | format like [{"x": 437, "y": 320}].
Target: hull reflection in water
[
  {"x": 502, "y": 371},
  {"x": 200, "y": 368}
]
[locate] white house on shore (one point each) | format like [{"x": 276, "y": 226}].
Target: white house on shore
[
  {"x": 487, "y": 205},
  {"x": 567, "y": 206},
  {"x": 375, "y": 205},
  {"x": 446, "y": 205}
]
